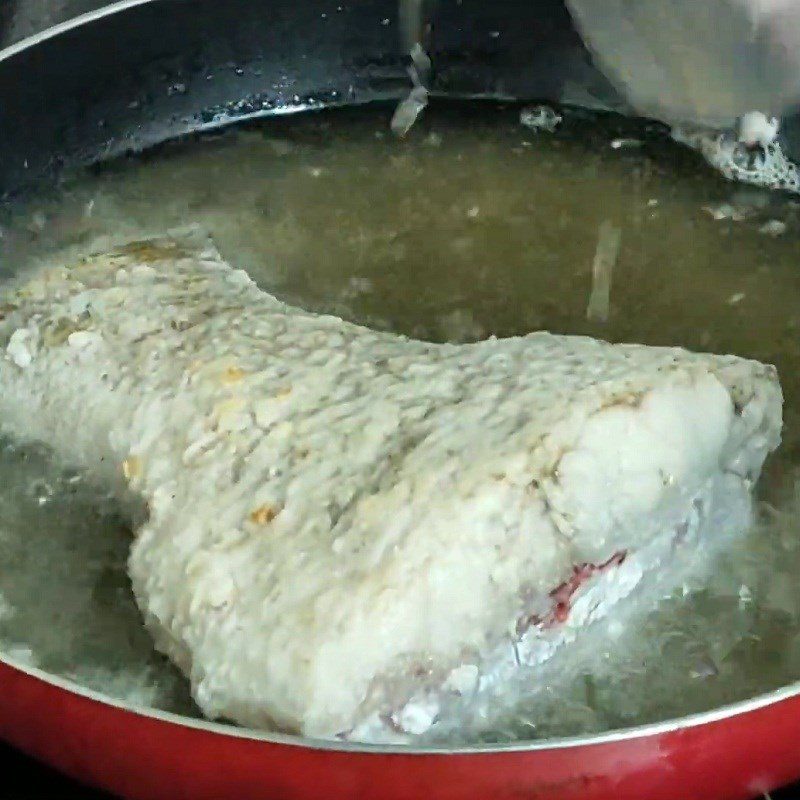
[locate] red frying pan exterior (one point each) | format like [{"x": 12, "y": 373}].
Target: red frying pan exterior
[{"x": 732, "y": 755}]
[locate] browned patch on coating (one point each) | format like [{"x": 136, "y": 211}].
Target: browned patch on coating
[
  {"x": 233, "y": 375},
  {"x": 263, "y": 515},
  {"x": 132, "y": 467},
  {"x": 150, "y": 252},
  {"x": 59, "y": 332},
  {"x": 631, "y": 399}
]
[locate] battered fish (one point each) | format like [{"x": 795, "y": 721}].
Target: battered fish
[{"x": 347, "y": 526}]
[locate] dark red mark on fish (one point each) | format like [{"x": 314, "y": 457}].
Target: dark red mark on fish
[{"x": 563, "y": 593}]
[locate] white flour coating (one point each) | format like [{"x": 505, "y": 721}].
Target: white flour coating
[
  {"x": 684, "y": 549},
  {"x": 346, "y": 524}
]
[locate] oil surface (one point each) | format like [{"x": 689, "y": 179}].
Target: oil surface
[{"x": 472, "y": 226}]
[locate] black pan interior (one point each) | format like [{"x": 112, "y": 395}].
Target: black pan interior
[{"x": 128, "y": 80}]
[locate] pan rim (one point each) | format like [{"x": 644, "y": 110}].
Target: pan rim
[
  {"x": 63, "y": 27},
  {"x": 643, "y": 731}
]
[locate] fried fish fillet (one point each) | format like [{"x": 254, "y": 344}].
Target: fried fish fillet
[{"x": 344, "y": 525}]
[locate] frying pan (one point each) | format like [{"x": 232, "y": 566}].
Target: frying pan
[{"x": 105, "y": 84}]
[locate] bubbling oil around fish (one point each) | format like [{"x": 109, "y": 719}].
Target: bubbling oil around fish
[{"x": 470, "y": 226}]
